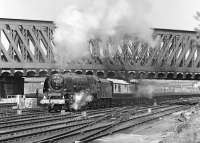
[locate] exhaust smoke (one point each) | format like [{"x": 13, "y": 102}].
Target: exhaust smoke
[
  {"x": 81, "y": 99},
  {"x": 82, "y": 21},
  {"x": 146, "y": 91}
]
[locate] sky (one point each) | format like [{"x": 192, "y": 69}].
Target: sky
[{"x": 170, "y": 14}]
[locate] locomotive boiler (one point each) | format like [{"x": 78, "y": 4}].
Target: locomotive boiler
[{"x": 76, "y": 92}]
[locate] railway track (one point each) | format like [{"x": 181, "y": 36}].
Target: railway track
[
  {"x": 31, "y": 120},
  {"x": 4, "y": 112},
  {"x": 90, "y": 133},
  {"x": 18, "y": 121},
  {"x": 52, "y": 126},
  {"x": 76, "y": 127}
]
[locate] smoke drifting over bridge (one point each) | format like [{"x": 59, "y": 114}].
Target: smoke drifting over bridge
[{"x": 82, "y": 21}]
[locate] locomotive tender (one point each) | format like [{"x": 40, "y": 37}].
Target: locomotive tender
[{"x": 60, "y": 91}]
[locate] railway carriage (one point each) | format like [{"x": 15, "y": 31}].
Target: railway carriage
[{"x": 123, "y": 92}]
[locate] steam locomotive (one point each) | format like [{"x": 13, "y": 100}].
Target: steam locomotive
[{"x": 76, "y": 92}]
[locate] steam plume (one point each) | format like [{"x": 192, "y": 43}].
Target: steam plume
[
  {"x": 80, "y": 99},
  {"x": 82, "y": 20},
  {"x": 146, "y": 91}
]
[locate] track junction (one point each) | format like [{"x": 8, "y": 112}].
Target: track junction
[{"x": 38, "y": 126}]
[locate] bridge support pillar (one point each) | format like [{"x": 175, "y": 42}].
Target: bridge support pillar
[
  {"x": 165, "y": 75},
  {"x": 49, "y": 72},
  {"x": 184, "y": 75},
  {"x": 126, "y": 75},
  {"x": 37, "y": 72},
  {"x": 95, "y": 72},
  {"x": 24, "y": 72},
  {"x": 193, "y": 75},
  {"x": 83, "y": 72},
  {"x": 12, "y": 72}
]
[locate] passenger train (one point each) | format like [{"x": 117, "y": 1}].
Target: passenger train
[{"x": 72, "y": 91}]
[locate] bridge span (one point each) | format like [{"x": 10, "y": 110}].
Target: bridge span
[{"x": 27, "y": 47}]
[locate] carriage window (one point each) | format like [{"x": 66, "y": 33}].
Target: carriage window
[
  {"x": 125, "y": 88},
  {"x": 115, "y": 87},
  {"x": 119, "y": 88}
]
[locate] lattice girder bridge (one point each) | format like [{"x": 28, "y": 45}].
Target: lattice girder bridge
[{"x": 26, "y": 48}]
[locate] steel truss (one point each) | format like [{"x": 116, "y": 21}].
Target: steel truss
[{"x": 27, "y": 45}]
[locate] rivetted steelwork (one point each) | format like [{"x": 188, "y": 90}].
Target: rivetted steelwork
[
  {"x": 26, "y": 48},
  {"x": 26, "y": 44}
]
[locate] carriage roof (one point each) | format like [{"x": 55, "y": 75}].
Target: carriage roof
[{"x": 118, "y": 81}]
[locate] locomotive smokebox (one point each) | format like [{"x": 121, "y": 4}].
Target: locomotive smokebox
[{"x": 56, "y": 82}]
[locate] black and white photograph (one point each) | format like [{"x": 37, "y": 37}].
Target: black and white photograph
[{"x": 99, "y": 71}]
